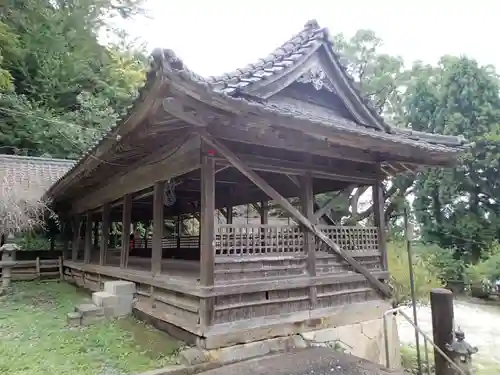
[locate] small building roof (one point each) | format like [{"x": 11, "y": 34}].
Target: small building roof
[{"x": 23, "y": 182}]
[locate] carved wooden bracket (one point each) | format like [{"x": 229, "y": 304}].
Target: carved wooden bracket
[{"x": 317, "y": 77}]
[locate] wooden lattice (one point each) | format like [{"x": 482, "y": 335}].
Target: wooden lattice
[
  {"x": 350, "y": 238},
  {"x": 234, "y": 239}
]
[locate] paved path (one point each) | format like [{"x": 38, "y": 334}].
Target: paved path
[
  {"x": 315, "y": 361},
  {"x": 479, "y": 320}
]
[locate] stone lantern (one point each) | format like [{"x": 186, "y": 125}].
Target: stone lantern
[
  {"x": 7, "y": 252},
  {"x": 461, "y": 352}
]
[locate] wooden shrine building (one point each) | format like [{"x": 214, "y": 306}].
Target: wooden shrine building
[{"x": 291, "y": 125}]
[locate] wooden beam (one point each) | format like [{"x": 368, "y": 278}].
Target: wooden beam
[
  {"x": 156, "y": 249},
  {"x": 378, "y": 214},
  {"x": 87, "y": 250},
  {"x": 273, "y": 194},
  {"x": 264, "y": 164},
  {"x": 292, "y": 141},
  {"x": 264, "y": 212},
  {"x": 229, "y": 214},
  {"x": 76, "y": 238},
  {"x": 140, "y": 178},
  {"x": 307, "y": 202},
  {"x": 105, "y": 233},
  {"x": 207, "y": 234},
  {"x": 320, "y": 212},
  {"x": 126, "y": 219}
]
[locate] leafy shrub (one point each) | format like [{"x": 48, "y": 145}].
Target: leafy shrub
[
  {"x": 425, "y": 278},
  {"x": 409, "y": 358},
  {"x": 445, "y": 263},
  {"x": 32, "y": 241},
  {"x": 486, "y": 269}
]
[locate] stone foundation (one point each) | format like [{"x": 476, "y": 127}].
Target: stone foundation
[{"x": 363, "y": 339}]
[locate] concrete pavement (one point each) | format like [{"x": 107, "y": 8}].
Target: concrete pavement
[{"x": 313, "y": 361}]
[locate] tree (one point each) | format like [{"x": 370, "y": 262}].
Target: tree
[
  {"x": 68, "y": 88},
  {"x": 459, "y": 208}
]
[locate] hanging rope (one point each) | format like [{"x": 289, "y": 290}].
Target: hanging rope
[{"x": 169, "y": 195}]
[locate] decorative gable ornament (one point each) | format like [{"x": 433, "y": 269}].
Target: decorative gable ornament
[{"x": 317, "y": 77}]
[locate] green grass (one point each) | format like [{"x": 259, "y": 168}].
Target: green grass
[{"x": 34, "y": 338}]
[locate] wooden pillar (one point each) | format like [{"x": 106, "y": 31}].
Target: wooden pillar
[
  {"x": 87, "y": 250},
  {"x": 65, "y": 238},
  {"x": 96, "y": 234},
  {"x": 178, "y": 230},
  {"x": 126, "y": 218},
  {"x": 207, "y": 227},
  {"x": 442, "y": 327},
  {"x": 106, "y": 209},
  {"x": 76, "y": 238},
  {"x": 378, "y": 213},
  {"x": 264, "y": 212},
  {"x": 156, "y": 249},
  {"x": 307, "y": 204},
  {"x": 229, "y": 214}
]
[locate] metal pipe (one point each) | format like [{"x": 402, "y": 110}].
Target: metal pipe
[
  {"x": 408, "y": 236},
  {"x": 426, "y": 338}
]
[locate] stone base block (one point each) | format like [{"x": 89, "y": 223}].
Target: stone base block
[
  {"x": 104, "y": 299},
  {"x": 74, "y": 319},
  {"x": 119, "y": 287},
  {"x": 89, "y": 309}
]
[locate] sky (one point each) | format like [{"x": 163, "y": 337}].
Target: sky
[{"x": 216, "y": 36}]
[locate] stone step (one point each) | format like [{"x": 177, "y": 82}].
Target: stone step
[
  {"x": 104, "y": 299},
  {"x": 114, "y": 305},
  {"x": 119, "y": 287},
  {"x": 89, "y": 309},
  {"x": 74, "y": 319}
]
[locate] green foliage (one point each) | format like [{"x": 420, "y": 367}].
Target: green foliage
[
  {"x": 409, "y": 358},
  {"x": 33, "y": 241},
  {"x": 487, "y": 268},
  {"x": 60, "y": 89},
  {"x": 458, "y": 208},
  {"x": 445, "y": 263},
  {"x": 35, "y": 339},
  {"x": 424, "y": 277}
]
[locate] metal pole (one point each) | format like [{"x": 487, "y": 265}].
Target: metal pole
[{"x": 409, "y": 236}]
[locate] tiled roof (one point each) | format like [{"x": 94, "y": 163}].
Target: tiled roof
[
  {"x": 29, "y": 177},
  {"x": 283, "y": 57}
]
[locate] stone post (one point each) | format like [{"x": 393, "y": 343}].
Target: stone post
[{"x": 8, "y": 256}]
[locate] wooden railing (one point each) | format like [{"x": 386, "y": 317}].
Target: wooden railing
[
  {"x": 185, "y": 242},
  {"x": 231, "y": 239},
  {"x": 356, "y": 239}
]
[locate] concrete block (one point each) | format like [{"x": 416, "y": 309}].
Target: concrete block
[
  {"x": 123, "y": 305},
  {"x": 104, "y": 299},
  {"x": 89, "y": 309},
  {"x": 74, "y": 319},
  {"x": 119, "y": 287}
]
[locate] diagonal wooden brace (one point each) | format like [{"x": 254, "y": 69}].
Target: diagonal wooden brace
[{"x": 296, "y": 214}]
